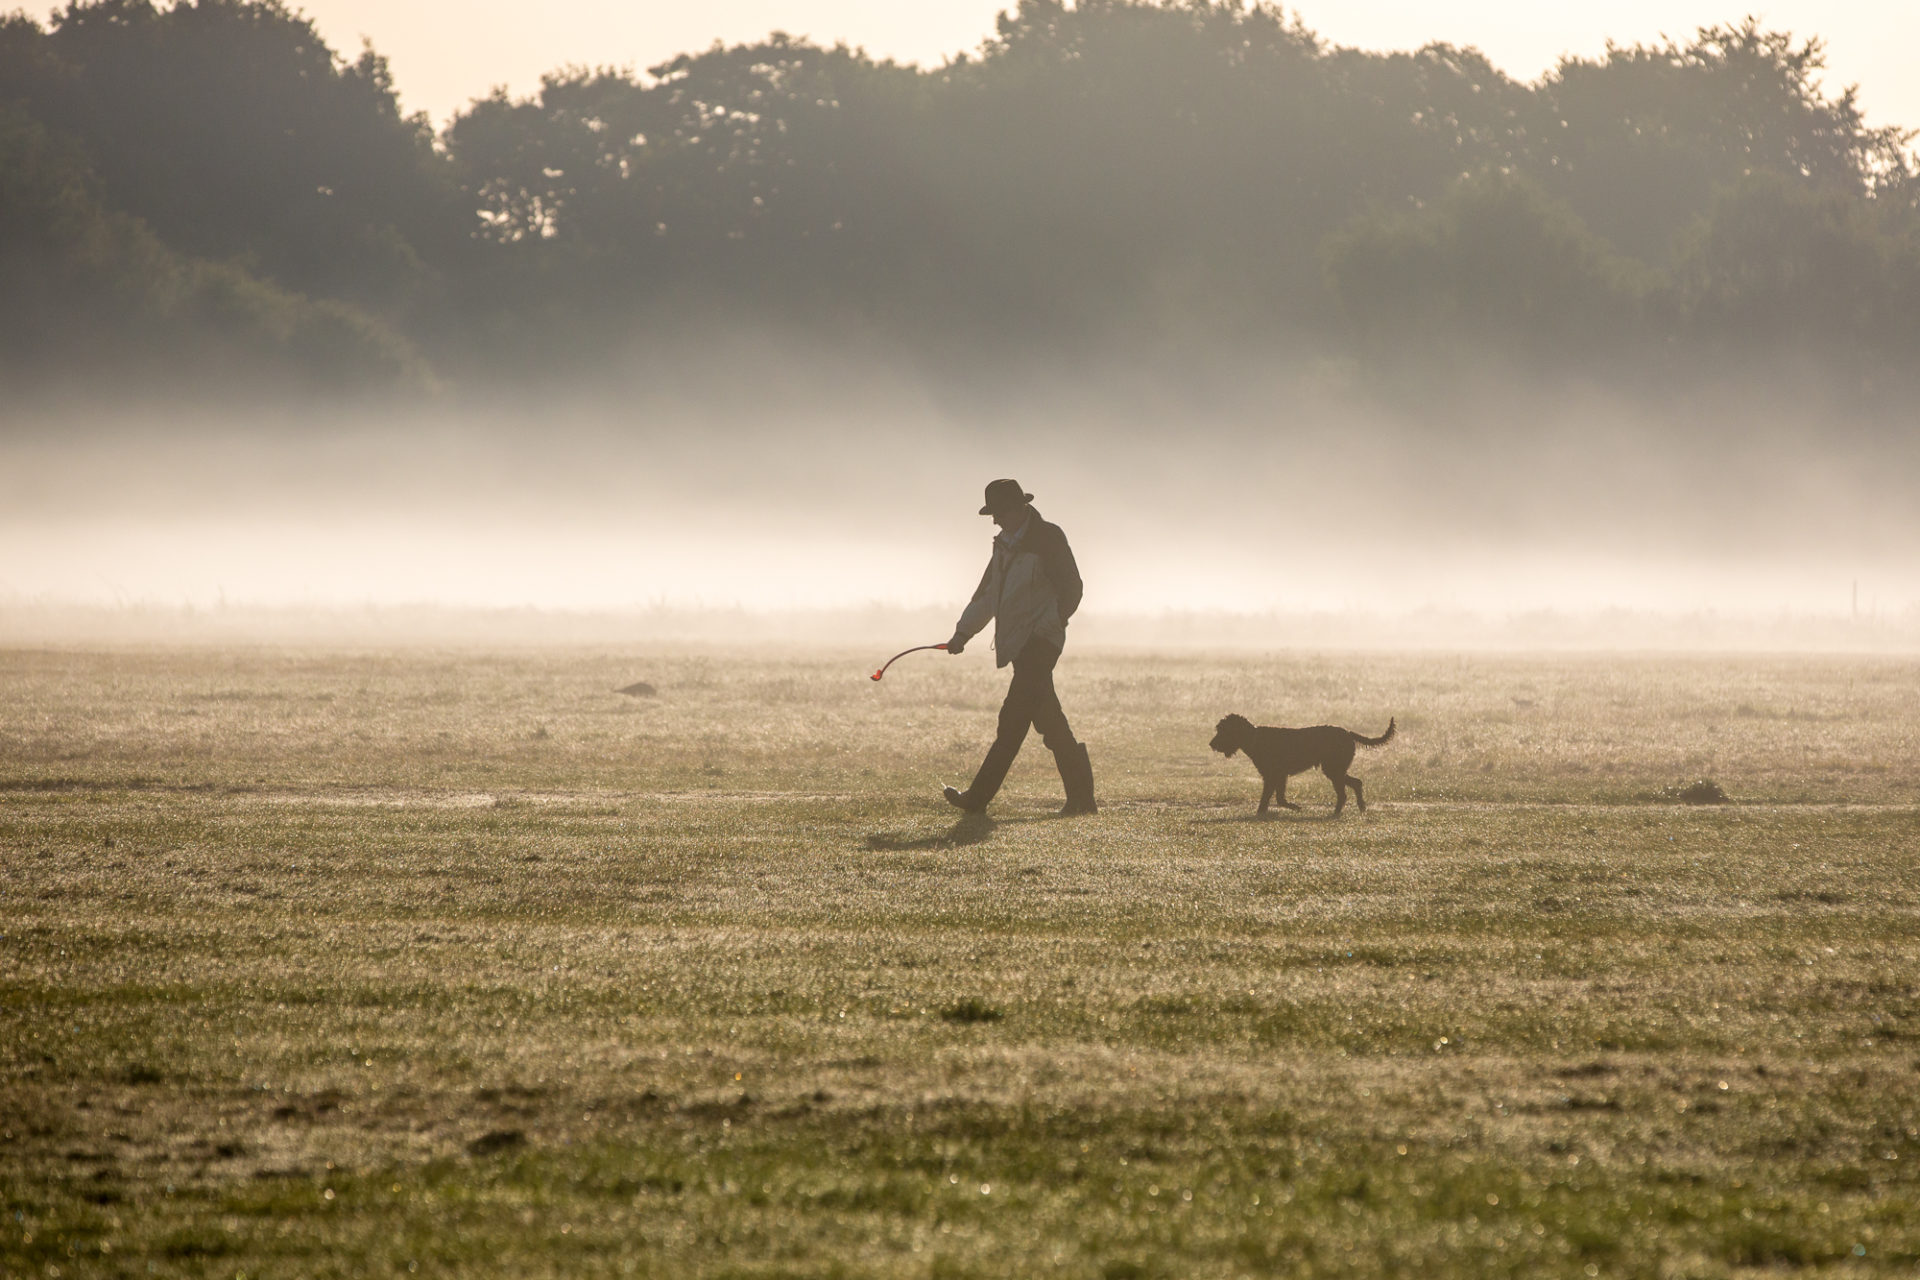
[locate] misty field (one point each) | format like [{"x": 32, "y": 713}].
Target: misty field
[{"x": 463, "y": 963}]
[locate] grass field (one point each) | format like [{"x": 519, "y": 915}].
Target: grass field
[{"x": 454, "y": 963}]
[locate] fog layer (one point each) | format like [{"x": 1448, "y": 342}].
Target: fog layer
[{"x": 1285, "y": 494}]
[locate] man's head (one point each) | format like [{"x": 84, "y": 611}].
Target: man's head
[{"x": 1006, "y": 503}]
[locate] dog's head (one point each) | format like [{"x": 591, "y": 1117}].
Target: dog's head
[{"x": 1231, "y": 734}]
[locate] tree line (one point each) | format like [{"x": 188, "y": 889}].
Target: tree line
[{"x": 207, "y": 186}]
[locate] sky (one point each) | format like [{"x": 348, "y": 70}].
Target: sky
[{"x": 447, "y": 52}]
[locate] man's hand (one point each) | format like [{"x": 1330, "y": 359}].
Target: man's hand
[{"x": 955, "y": 647}]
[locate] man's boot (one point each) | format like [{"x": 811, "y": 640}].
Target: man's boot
[
  {"x": 986, "y": 783},
  {"x": 1076, "y": 773}
]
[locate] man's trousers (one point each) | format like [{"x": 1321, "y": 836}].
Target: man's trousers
[{"x": 1031, "y": 703}]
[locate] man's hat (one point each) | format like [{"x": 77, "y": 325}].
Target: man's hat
[{"x": 1002, "y": 494}]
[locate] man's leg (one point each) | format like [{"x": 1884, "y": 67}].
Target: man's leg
[
  {"x": 1028, "y": 696},
  {"x": 1069, "y": 756},
  {"x": 1047, "y": 715}
]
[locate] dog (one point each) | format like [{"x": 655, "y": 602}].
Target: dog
[{"x": 1280, "y": 753}]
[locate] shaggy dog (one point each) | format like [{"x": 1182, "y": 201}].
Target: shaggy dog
[{"x": 1280, "y": 753}]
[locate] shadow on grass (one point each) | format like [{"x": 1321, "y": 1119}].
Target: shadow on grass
[
  {"x": 98, "y": 784},
  {"x": 972, "y": 828},
  {"x": 1287, "y": 817}
]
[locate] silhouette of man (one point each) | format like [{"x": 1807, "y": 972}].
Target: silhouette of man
[{"x": 1030, "y": 589}]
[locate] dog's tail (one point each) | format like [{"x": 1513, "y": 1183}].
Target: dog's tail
[{"x": 1380, "y": 741}]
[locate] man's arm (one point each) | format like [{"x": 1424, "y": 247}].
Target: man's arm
[
  {"x": 1056, "y": 557},
  {"x": 977, "y": 614}
]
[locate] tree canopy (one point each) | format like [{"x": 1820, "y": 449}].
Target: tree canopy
[{"x": 1106, "y": 175}]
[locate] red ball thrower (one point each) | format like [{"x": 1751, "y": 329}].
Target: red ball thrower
[{"x": 903, "y": 653}]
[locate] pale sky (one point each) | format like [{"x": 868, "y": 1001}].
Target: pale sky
[{"x": 446, "y": 52}]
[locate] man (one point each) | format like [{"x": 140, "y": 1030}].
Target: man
[{"x": 1030, "y": 589}]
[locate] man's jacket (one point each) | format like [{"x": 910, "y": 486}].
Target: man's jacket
[{"x": 1030, "y": 589}]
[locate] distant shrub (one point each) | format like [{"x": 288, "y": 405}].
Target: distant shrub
[
  {"x": 971, "y": 1010},
  {"x": 496, "y": 1141},
  {"x": 1699, "y": 791}
]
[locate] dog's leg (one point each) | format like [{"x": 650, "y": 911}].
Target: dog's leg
[
  {"x": 1280, "y": 794},
  {"x": 1266, "y": 794},
  {"x": 1359, "y": 796},
  {"x": 1339, "y": 781}
]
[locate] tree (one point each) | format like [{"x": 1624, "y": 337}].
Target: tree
[
  {"x": 234, "y": 132},
  {"x": 88, "y": 290},
  {"x": 1641, "y": 141},
  {"x": 740, "y": 167},
  {"x": 1781, "y": 271},
  {"x": 1496, "y": 268}
]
